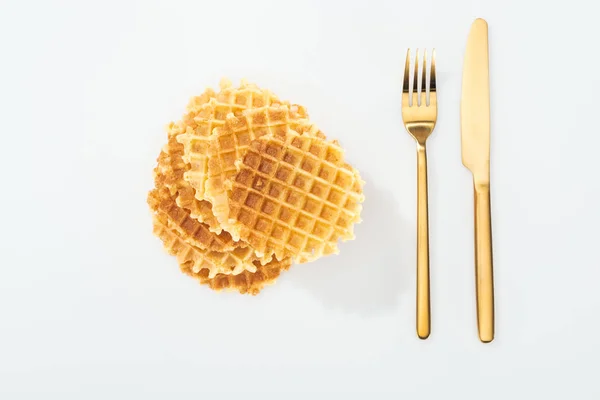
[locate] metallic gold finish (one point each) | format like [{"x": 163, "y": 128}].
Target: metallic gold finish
[
  {"x": 475, "y": 132},
  {"x": 419, "y": 120}
]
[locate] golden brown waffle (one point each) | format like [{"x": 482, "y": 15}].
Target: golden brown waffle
[
  {"x": 295, "y": 197},
  {"x": 247, "y": 282},
  {"x": 194, "y": 123},
  {"x": 196, "y": 233},
  {"x": 279, "y": 190},
  {"x": 229, "y": 143},
  {"x": 234, "y": 261},
  {"x": 187, "y": 256},
  {"x": 172, "y": 168},
  {"x": 210, "y": 115}
]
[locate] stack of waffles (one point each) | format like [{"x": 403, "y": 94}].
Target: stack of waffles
[{"x": 247, "y": 185}]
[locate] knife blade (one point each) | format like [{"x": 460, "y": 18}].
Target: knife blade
[
  {"x": 475, "y": 144},
  {"x": 475, "y": 104}
]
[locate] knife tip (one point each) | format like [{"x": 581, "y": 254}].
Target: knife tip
[{"x": 480, "y": 21}]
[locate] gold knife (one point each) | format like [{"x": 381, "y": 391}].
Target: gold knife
[{"x": 475, "y": 138}]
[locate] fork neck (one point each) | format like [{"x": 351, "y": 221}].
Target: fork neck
[
  {"x": 421, "y": 145},
  {"x": 420, "y": 131}
]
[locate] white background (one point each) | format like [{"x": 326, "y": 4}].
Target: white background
[{"x": 91, "y": 306}]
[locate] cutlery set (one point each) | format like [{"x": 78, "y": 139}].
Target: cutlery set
[{"x": 419, "y": 113}]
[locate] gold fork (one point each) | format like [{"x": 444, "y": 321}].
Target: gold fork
[{"x": 419, "y": 120}]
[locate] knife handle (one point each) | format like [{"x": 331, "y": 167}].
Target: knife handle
[
  {"x": 484, "y": 275},
  {"x": 423, "y": 300}
]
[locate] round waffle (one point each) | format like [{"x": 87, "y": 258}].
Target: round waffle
[
  {"x": 207, "y": 115},
  {"x": 229, "y": 143},
  {"x": 294, "y": 196}
]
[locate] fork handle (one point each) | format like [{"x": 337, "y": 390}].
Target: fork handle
[
  {"x": 423, "y": 299},
  {"x": 484, "y": 275}
]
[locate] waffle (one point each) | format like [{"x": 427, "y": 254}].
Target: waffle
[
  {"x": 172, "y": 169},
  {"x": 194, "y": 124},
  {"x": 294, "y": 196},
  {"x": 187, "y": 256},
  {"x": 231, "y": 262},
  {"x": 195, "y": 232},
  {"x": 245, "y": 185},
  {"x": 210, "y": 115},
  {"x": 229, "y": 143},
  {"x": 247, "y": 282}
]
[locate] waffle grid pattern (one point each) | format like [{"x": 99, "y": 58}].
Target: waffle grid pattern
[
  {"x": 211, "y": 115},
  {"x": 230, "y": 142},
  {"x": 295, "y": 197}
]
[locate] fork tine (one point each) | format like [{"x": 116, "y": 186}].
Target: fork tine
[
  {"x": 415, "y": 92},
  {"x": 423, "y": 82},
  {"x": 405, "y": 85},
  {"x": 432, "y": 73},
  {"x": 406, "y": 81}
]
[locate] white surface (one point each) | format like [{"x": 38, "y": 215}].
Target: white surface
[{"x": 91, "y": 307}]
